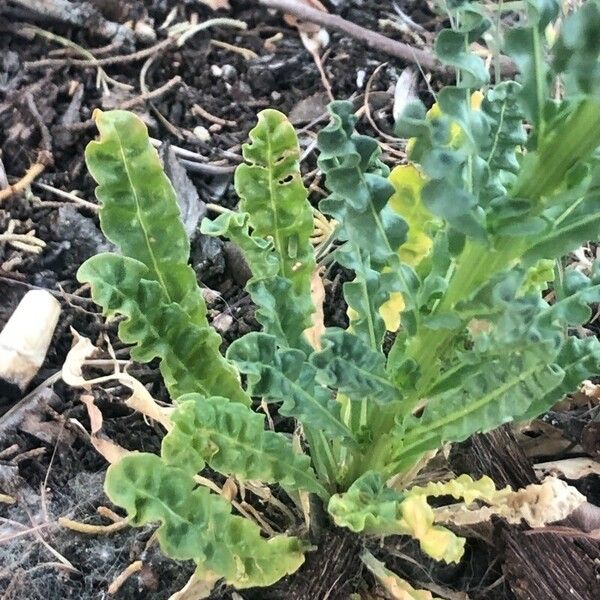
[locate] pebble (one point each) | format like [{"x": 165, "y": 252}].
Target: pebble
[
  {"x": 229, "y": 73},
  {"x": 202, "y": 133}
]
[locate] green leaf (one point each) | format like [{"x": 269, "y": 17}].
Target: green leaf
[
  {"x": 274, "y": 229},
  {"x": 197, "y": 524},
  {"x": 271, "y": 293},
  {"x": 452, "y": 45},
  {"x": 577, "y": 49},
  {"x": 368, "y": 507},
  {"x": 373, "y": 232},
  {"x": 499, "y": 392},
  {"x": 578, "y": 223},
  {"x": 189, "y": 352},
  {"x": 272, "y": 193},
  {"x": 347, "y": 364},
  {"x": 283, "y": 375},
  {"x": 526, "y": 47},
  {"x": 138, "y": 206},
  {"x": 580, "y": 360},
  {"x": 231, "y": 438}
]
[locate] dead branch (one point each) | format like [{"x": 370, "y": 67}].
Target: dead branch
[{"x": 374, "y": 40}]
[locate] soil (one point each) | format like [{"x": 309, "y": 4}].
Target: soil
[{"x": 46, "y": 459}]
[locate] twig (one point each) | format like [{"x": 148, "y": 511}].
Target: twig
[
  {"x": 68, "y": 195},
  {"x": 145, "y": 89},
  {"x": 99, "y": 62},
  {"x": 89, "y": 529},
  {"x": 102, "y": 78},
  {"x": 373, "y": 39},
  {"x": 34, "y": 171},
  {"x": 245, "y": 52},
  {"x": 134, "y": 567},
  {"x": 159, "y": 91},
  {"x": 202, "y": 112},
  {"x": 35, "y": 113},
  {"x": 195, "y": 167}
]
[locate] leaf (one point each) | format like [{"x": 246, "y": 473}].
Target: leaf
[
  {"x": 231, "y": 438},
  {"x": 577, "y": 49},
  {"x": 464, "y": 487},
  {"x": 536, "y": 504},
  {"x": 498, "y": 393},
  {"x": 189, "y": 353},
  {"x": 372, "y": 508},
  {"x": 373, "y": 232},
  {"x": 580, "y": 360},
  {"x": 406, "y": 201},
  {"x": 138, "y": 206},
  {"x": 526, "y": 48},
  {"x": 271, "y": 293},
  {"x": 282, "y": 375},
  {"x": 196, "y": 524},
  {"x": 396, "y": 587},
  {"x": 347, "y": 364},
  {"x": 274, "y": 228},
  {"x": 452, "y": 45},
  {"x": 272, "y": 193}
]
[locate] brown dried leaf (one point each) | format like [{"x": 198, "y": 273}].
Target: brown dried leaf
[
  {"x": 110, "y": 450},
  {"x": 317, "y": 292}
]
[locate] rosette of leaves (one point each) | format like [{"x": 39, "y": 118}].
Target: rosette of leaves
[{"x": 453, "y": 251}]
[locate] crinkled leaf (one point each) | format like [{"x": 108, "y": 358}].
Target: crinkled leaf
[
  {"x": 373, "y": 232},
  {"x": 283, "y": 375},
  {"x": 189, "y": 352},
  {"x": 138, "y": 206},
  {"x": 231, "y": 438},
  {"x": 197, "y": 524},
  {"x": 347, "y": 364},
  {"x": 274, "y": 228},
  {"x": 498, "y": 393},
  {"x": 580, "y": 360},
  {"x": 372, "y": 508},
  {"x": 526, "y": 46}
]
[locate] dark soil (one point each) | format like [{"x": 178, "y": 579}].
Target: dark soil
[{"x": 46, "y": 459}]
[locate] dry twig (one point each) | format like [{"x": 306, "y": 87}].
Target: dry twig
[{"x": 371, "y": 38}]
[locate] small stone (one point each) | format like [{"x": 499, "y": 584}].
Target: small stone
[
  {"x": 360, "y": 78},
  {"x": 216, "y": 71},
  {"x": 202, "y": 133},
  {"x": 145, "y": 32},
  {"x": 229, "y": 73}
]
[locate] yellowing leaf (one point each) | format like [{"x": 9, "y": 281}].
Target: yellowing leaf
[
  {"x": 438, "y": 542},
  {"x": 464, "y": 487},
  {"x": 406, "y": 201},
  {"x": 391, "y": 310},
  {"x": 396, "y": 587}
]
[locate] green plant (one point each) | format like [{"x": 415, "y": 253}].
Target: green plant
[{"x": 450, "y": 252}]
